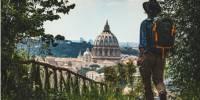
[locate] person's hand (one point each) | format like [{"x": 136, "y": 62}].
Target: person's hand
[{"x": 140, "y": 59}]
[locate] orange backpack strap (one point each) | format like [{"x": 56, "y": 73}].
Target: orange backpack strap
[
  {"x": 155, "y": 33},
  {"x": 156, "y": 40},
  {"x": 173, "y": 30}
]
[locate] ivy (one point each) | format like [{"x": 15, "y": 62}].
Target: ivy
[{"x": 184, "y": 60}]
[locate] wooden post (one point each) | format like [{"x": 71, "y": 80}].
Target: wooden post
[
  {"x": 61, "y": 80},
  {"x": 84, "y": 86},
  {"x": 33, "y": 72},
  {"x": 91, "y": 86},
  {"x": 68, "y": 82},
  {"x": 36, "y": 76},
  {"x": 46, "y": 84},
  {"x": 101, "y": 89},
  {"x": 55, "y": 80},
  {"x": 73, "y": 83},
  {"x": 76, "y": 85},
  {"x": 105, "y": 88}
]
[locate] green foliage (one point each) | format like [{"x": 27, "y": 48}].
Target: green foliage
[
  {"x": 100, "y": 70},
  {"x": 121, "y": 74},
  {"x": 130, "y": 70},
  {"x": 48, "y": 42},
  {"x": 21, "y": 18},
  {"x": 138, "y": 88},
  {"x": 94, "y": 66},
  {"x": 16, "y": 79},
  {"x": 184, "y": 61},
  {"x": 125, "y": 73},
  {"x": 129, "y": 51},
  {"x": 69, "y": 49},
  {"x": 89, "y": 95},
  {"x": 110, "y": 75},
  {"x": 59, "y": 37},
  {"x": 48, "y": 38},
  {"x": 83, "y": 71}
]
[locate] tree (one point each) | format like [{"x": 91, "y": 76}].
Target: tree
[
  {"x": 21, "y": 18},
  {"x": 59, "y": 37},
  {"x": 94, "y": 66},
  {"x": 129, "y": 51},
  {"x": 83, "y": 71},
  {"x": 122, "y": 74},
  {"x": 90, "y": 41},
  {"x": 110, "y": 75},
  {"x": 48, "y": 38},
  {"x": 26, "y": 17},
  {"x": 48, "y": 42},
  {"x": 131, "y": 69},
  {"x": 82, "y": 40},
  {"x": 184, "y": 61}
]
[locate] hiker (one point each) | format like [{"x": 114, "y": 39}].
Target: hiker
[{"x": 152, "y": 58}]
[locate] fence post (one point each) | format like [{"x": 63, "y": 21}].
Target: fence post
[
  {"x": 101, "y": 89},
  {"x": 76, "y": 85},
  {"x": 84, "y": 86},
  {"x": 33, "y": 72},
  {"x": 38, "y": 76},
  {"x": 61, "y": 80},
  {"x": 35, "y": 75},
  {"x": 46, "y": 84},
  {"x": 55, "y": 80},
  {"x": 68, "y": 88}
]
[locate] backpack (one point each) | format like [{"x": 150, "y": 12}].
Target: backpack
[{"x": 164, "y": 34}]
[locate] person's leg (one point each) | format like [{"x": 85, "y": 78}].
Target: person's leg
[
  {"x": 145, "y": 71},
  {"x": 158, "y": 72}
]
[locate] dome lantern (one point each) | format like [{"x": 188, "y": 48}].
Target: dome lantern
[{"x": 107, "y": 27}]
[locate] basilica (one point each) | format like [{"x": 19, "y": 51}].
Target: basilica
[{"x": 105, "y": 48}]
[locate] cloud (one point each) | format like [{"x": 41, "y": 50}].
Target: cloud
[
  {"x": 89, "y": 17},
  {"x": 112, "y": 2},
  {"x": 84, "y": 3},
  {"x": 90, "y": 3}
]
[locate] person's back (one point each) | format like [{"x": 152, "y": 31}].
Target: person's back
[{"x": 147, "y": 35}]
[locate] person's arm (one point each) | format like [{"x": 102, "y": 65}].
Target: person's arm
[{"x": 143, "y": 41}]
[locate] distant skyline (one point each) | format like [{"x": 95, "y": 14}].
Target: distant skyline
[{"x": 88, "y": 18}]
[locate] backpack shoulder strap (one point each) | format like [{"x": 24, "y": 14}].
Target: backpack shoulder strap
[{"x": 148, "y": 36}]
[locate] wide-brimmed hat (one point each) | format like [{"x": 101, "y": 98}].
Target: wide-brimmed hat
[{"x": 152, "y": 6}]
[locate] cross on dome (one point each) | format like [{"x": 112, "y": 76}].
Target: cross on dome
[{"x": 107, "y": 27}]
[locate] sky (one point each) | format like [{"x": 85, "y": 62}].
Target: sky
[{"x": 88, "y": 18}]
